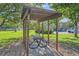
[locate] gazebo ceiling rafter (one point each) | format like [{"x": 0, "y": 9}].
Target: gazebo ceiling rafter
[{"x": 39, "y": 14}]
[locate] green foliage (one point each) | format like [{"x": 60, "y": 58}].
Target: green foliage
[
  {"x": 44, "y": 32},
  {"x": 67, "y": 9},
  {"x": 70, "y": 11},
  {"x": 10, "y": 12}
]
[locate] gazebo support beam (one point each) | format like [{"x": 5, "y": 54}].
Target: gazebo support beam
[
  {"x": 26, "y": 34},
  {"x": 39, "y": 28},
  {"x": 42, "y": 30},
  {"x": 26, "y": 37},
  {"x": 48, "y": 33},
  {"x": 56, "y": 34}
]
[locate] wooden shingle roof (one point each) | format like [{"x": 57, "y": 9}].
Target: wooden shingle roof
[{"x": 39, "y": 14}]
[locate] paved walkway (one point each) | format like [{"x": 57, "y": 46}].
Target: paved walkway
[
  {"x": 42, "y": 52},
  {"x": 16, "y": 49}
]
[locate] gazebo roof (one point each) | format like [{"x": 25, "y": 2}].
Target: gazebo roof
[{"x": 39, "y": 14}]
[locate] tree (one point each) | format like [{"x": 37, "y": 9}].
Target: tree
[
  {"x": 68, "y": 10},
  {"x": 10, "y": 13}
]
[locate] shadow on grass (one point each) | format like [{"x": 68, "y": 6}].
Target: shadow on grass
[
  {"x": 70, "y": 44},
  {"x": 71, "y": 38}
]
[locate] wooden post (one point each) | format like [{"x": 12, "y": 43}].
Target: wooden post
[
  {"x": 26, "y": 34},
  {"x": 56, "y": 34},
  {"x": 42, "y": 30},
  {"x": 27, "y": 41},
  {"x": 48, "y": 32},
  {"x": 39, "y": 28},
  {"x": 28, "y": 37}
]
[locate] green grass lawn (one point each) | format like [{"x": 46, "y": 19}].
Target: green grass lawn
[
  {"x": 67, "y": 39},
  {"x": 7, "y": 37}
]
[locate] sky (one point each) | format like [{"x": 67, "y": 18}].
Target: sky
[
  {"x": 64, "y": 20},
  {"x": 46, "y": 6}
]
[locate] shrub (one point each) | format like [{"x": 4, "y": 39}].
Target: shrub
[{"x": 44, "y": 32}]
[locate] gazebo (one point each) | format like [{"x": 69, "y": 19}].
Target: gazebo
[{"x": 40, "y": 15}]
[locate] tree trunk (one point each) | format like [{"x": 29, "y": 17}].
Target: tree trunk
[
  {"x": 76, "y": 29},
  {"x": 15, "y": 29},
  {"x": 2, "y": 23}
]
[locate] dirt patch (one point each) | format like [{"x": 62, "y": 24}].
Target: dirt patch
[{"x": 64, "y": 50}]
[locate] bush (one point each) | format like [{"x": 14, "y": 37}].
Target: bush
[{"x": 44, "y": 32}]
